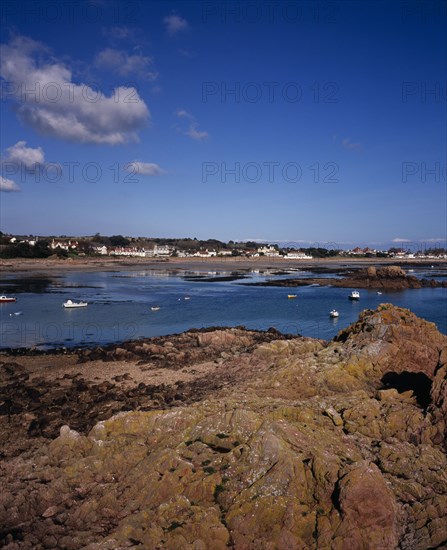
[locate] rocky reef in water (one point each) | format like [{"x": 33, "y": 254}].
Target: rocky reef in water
[
  {"x": 299, "y": 444},
  {"x": 386, "y": 278}
]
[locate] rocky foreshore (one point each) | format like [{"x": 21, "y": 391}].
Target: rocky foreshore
[
  {"x": 228, "y": 438},
  {"x": 382, "y": 278}
]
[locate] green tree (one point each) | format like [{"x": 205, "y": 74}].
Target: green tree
[{"x": 119, "y": 240}]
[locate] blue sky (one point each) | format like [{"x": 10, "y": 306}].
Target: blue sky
[{"x": 279, "y": 121}]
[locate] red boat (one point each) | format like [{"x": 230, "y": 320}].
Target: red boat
[{"x": 6, "y": 299}]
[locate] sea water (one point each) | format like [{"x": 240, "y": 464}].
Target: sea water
[{"x": 120, "y": 305}]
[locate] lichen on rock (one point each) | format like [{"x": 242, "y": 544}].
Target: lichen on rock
[{"x": 313, "y": 447}]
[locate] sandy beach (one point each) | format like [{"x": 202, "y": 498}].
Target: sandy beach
[{"x": 195, "y": 264}]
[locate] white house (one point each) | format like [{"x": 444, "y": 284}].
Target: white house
[
  {"x": 128, "y": 251},
  {"x": 162, "y": 250},
  {"x": 63, "y": 245},
  {"x": 269, "y": 251},
  {"x": 183, "y": 254},
  {"x": 297, "y": 255},
  {"x": 100, "y": 250},
  {"x": 205, "y": 253}
]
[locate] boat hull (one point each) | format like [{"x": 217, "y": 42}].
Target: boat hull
[{"x": 71, "y": 304}]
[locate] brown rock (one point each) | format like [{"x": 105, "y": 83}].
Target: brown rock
[
  {"x": 368, "y": 509},
  {"x": 260, "y": 461},
  {"x": 334, "y": 416},
  {"x": 50, "y": 512},
  {"x": 391, "y": 272}
]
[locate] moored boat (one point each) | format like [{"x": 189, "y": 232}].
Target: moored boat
[
  {"x": 155, "y": 308},
  {"x": 4, "y": 299},
  {"x": 334, "y": 313},
  {"x": 70, "y": 303},
  {"x": 291, "y": 295},
  {"x": 355, "y": 295}
]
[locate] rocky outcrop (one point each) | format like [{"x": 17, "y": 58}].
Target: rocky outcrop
[
  {"x": 184, "y": 361},
  {"x": 395, "y": 341},
  {"x": 314, "y": 447},
  {"x": 388, "y": 277},
  {"x": 383, "y": 278}
]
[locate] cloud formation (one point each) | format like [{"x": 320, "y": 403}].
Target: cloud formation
[
  {"x": 175, "y": 24},
  {"x": 194, "y": 133},
  {"x": 192, "y": 130},
  {"x": 145, "y": 168},
  {"x": 49, "y": 101},
  {"x": 119, "y": 62},
  {"x": 7, "y": 185},
  {"x": 25, "y": 156}
]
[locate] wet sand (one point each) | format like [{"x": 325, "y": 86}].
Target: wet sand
[{"x": 196, "y": 264}]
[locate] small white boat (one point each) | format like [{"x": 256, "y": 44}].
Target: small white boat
[
  {"x": 187, "y": 298},
  {"x": 70, "y": 303},
  {"x": 16, "y": 313},
  {"x": 379, "y": 293},
  {"x": 155, "y": 308},
  {"x": 355, "y": 295},
  {"x": 334, "y": 313},
  {"x": 290, "y": 296},
  {"x": 7, "y": 299}
]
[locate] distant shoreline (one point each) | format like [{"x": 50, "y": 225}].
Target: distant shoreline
[{"x": 16, "y": 265}]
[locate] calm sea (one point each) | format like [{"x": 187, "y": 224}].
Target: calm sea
[{"x": 120, "y": 306}]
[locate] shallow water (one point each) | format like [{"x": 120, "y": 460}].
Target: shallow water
[{"x": 120, "y": 306}]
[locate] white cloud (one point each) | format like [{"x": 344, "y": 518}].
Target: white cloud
[
  {"x": 49, "y": 101},
  {"x": 25, "y": 156},
  {"x": 145, "y": 168},
  {"x": 192, "y": 130},
  {"x": 401, "y": 240},
  {"x": 7, "y": 185},
  {"x": 193, "y": 133},
  {"x": 124, "y": 64},
  {"x": 181, "y": 113},
  {"x": 175, "y": 24}
]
